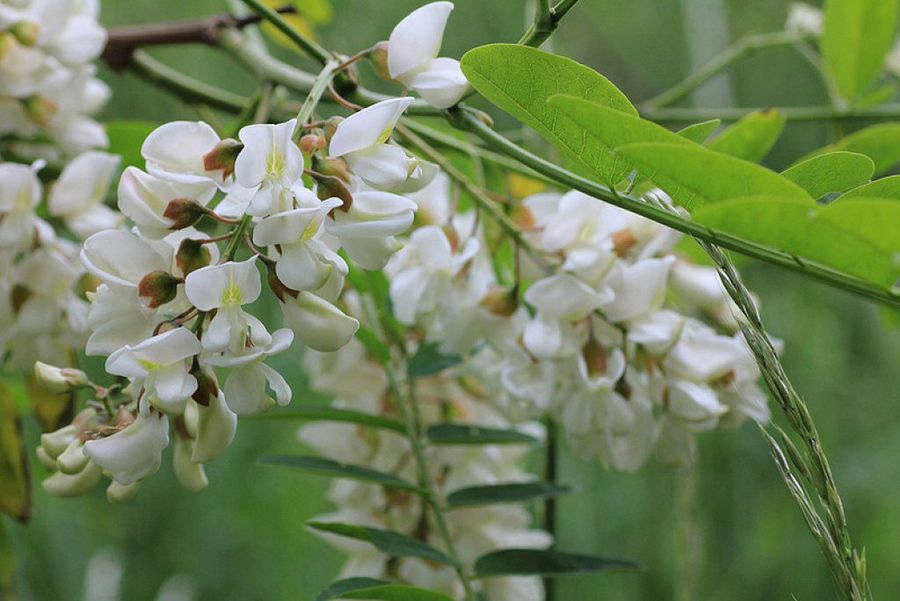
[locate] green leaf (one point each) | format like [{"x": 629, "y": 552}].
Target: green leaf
[
  {"x": 15, "y": 484},
  {"x": 386, "y": 541},
  {"x": 831, "y": 172},
  {"x": 886, "y": 187},
  {"x": 428, "y": 361},
  {"x": 859, "y": 238},
  {"x": 517, "y": 492},
  {"x": 751, "y": 137},
  {"x": 465, "y": 434},
  {"x": 699, "y": 132},
  {"x": 535, "y": 562},
  {"x": 695, "y": 176},
  {"x": 333, "y": 469},
  {"x": 378, "y": 590},
  {"x": 880, "y": 142},
  {"x": 126, "y": 139},
  {"x": 520, "y": 80},
  {"x": 330, "y": 414},
  {"x": 857, "y": 36},
  {"x": 338, "y": 587},
  {"x": 604, "y": 129}
]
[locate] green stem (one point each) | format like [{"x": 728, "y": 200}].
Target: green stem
[
  {"x": 320, "y": 85},
  {"x": 234, "y": 242},
  {"x": 466, "y": 120},
  {"x": 546, "y": 20},
  {"x": 183, "y": 86},
  {"x": 737, "y": 51},
  {"x": 791, "y": 113},
  {"x": 831, "y": 531},
  {"x": 408, "y": 407}
]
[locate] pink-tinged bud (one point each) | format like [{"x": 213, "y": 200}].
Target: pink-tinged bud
[
  {"x": 184, "y": 212},
  {"x": 222, "y": 156},
  {"x": 379, "y": 58},
  {"x": 39, "y": 109},
  {"x": 159, "y": 286},
  {"x": 500, "y": 301},
  {"x": 192, "y": 255},
  {"x": 26, "y": 32},
  {"x": 310, "y": 144},
  {"x": 207, "y": 386},
  {"x": 595, "y": 357},
  {"x": 59, "y": 379},
  {"x": 523, "y": 217}
]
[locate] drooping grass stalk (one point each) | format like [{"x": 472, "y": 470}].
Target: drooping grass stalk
[{"x": 805, "y": 468}]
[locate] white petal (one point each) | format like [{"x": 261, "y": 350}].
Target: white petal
[
  {"x": 83, "y": 183},
  {"x": 442, "y": 84},
  {"x": 417, "y": 38},
  {"x": 368, "y": 127},
  {"x": 383, "y": 166},
  {"x": 190, "y": 475},
  {"x": 319, "y": 324},
  {"x": 216, "y": 428},
  {"x": 135, "y": 452},
  {"x": 175, "y": 151}
]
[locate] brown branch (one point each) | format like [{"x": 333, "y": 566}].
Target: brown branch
[{"x": 123, "y": 41}]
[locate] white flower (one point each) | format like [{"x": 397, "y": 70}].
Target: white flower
[
  {"x": 216, "y": 427},
  {"x": 144, "y": 198},
  {"x": 361, "y": 140},
  {"x": 412, "y": 50},
  {"x": 694, "y": 404},
  {"x": 175, "y": 151},
  {"x": 133, "y": 453},
  {"x": 161, "y": 365},
  {"x": 226, "y": 288},
  {"x": 638, "y": 288},
  {"x": 79, "y": 193},
  {"x": 245, "y": 387},
  {"x": 559, "y": 301},
  {"x": 373, "y": 214},
  {"x": 317, "y": 323},
  {"x": 121, "y": 259},
  {"x": 20, "y": 193},
  {"x": 270, "y": 163},
  {"x": 702, "y": 355},
  {"x": 116, "y": 320}
]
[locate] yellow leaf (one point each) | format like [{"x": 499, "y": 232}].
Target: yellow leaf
[
  {"x": 15, "y": 488},
  {"x": 522, "y": 186},
  {"x": 51, "y": 409},
  {"x": 309, "y": 13}
]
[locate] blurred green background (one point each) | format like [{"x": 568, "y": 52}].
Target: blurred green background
[{"x": 244, "y": 539}]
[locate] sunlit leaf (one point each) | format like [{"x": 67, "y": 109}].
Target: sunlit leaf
[
  {"x": 465, "y": 434},
  {"x": 604, "y": 129},
  {"x": 386, "y": 541},
  {"x": 858, "y": 35},
  {"x": 517, "y": 492},
  {"x": 752, "y": 136},
  {"x": 886, "y": 187},
  {"x": 333, "y": 469},
  {"x": 330, "y": 414},
  {"x": 535, "y": 562},
  {"x": 15, "y": 485},
  {"x": 520, "y": 80},
  {"x": 699, "y": 132},
  {"x": 831, "y": 172},
  {"x": 880, "y": 142},
  {"x": 858, "y": 237},
  {"x": 695, "y": 176},
  {"x": 310, "y": 13}
]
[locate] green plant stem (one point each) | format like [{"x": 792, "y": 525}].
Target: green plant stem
[
  {"x": 830, "y": 530},
  {"x": 238, "y": 233},
  {"x": 737, "y": 51},
  {"x": 320, "y": 85},
  {"x": 546, "y": 20},
  {"x": 407, "y": 406},
  {"x": 187, "y": 88},
  {"x": 484, "y": 202},
  {"x": 466, "y": 120}
]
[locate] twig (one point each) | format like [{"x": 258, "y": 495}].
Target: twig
[{"x": 546, "y": 20}]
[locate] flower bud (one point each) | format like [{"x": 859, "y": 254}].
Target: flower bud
[
  {"x": 623, "y": 240},
  {"x": 222, "y": 156},
  {"x": 26, "y": 32},
  {"x": 190, "y": 475},
  {"x": 73, "y": 485},
  {"x": 184, "y": 212},
  {"x": 73, "y": 460},
  {"x": 523, "y": 217},
  {"x": 121, "y": 493},
  {"x": 192, "y": 255},
  {"x": 500, "y": 301},
  {"x": 159, "y": 286},
  {"x": 332, "y": 187},
  {"x": 330, "y": 127},
  {"x": 310, "y": 144},
  {"x": 379, "y": 58},
  {"x": 54, "y": 443},
  {"x": 46, "y": 460},
  {"x": 57, "y": 379},
  {"x": 335, "y": 167},
  {"x": 216, "y": 427},
  {"x": 39, "y": 109}
]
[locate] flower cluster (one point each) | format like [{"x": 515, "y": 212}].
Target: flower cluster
[{"x": 48, "y": 86}]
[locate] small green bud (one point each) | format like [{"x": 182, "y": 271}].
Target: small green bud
[
  {"x": 159, "y": 286},
  {"x": 222, "y": 156},
  {"x": 192, "y": 255},
  {"x": 184, "y": 212}
]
